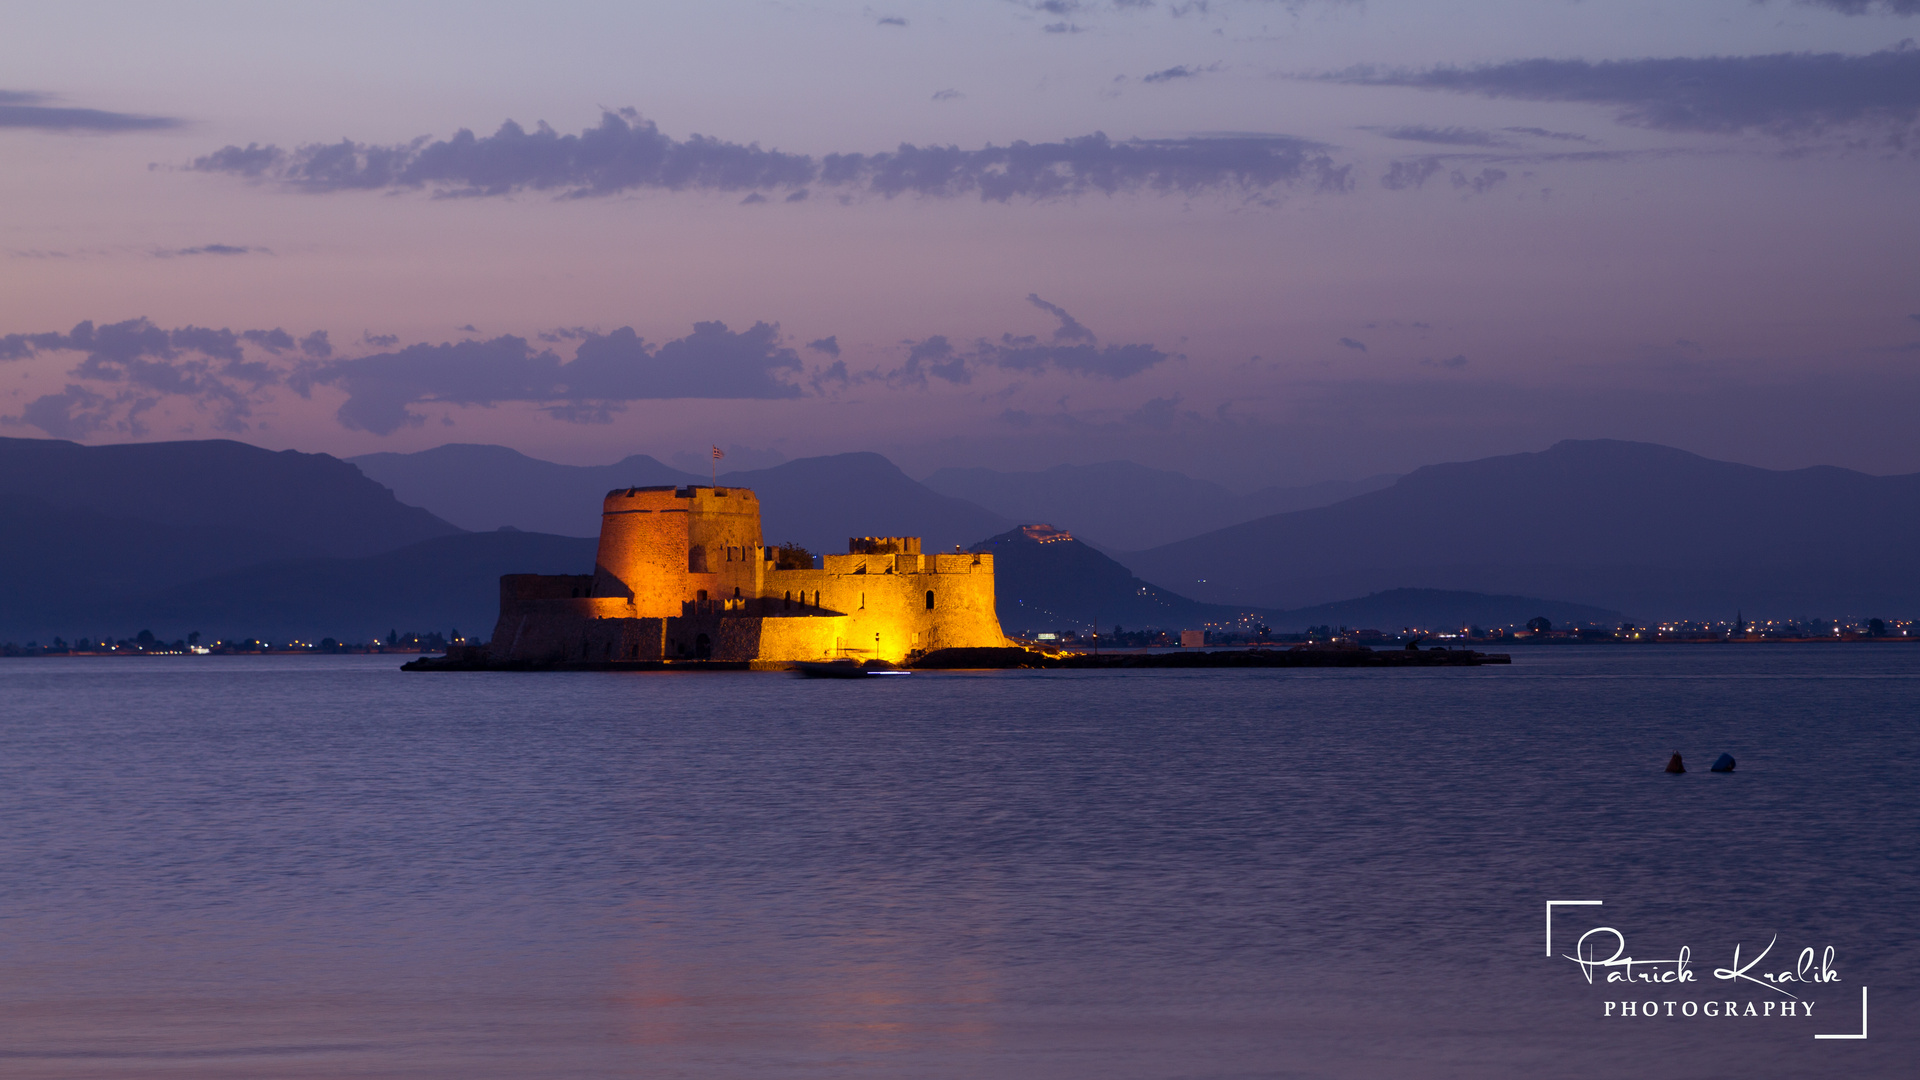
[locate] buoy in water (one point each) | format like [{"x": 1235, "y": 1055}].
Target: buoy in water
[
  {"x": 1724, "y": 763},
  {"x": 1673, "y": 763}
]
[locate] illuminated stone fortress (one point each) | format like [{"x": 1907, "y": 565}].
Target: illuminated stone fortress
[{"x": 682, "y": 575}]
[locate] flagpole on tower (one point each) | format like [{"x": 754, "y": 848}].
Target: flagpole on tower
[{"x": 714, "y": 466}]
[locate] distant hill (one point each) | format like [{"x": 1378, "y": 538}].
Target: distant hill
[
  {"x": 817, "y": 502},
  {"x": 311, "y": 504},
  {"x": 820, "y": 502},
  {"x": 67, "y": 571},
  {"x": 1648, "y": 530},
  {"x": 1047, "y": 580},
  {"x": 483, "y": 487},
  {"x": 84, "y": 529},
  {"x": 1122, "y": 505},
  {"x": 443, "y": 584},
  {"x": 1434, "y": 609}
]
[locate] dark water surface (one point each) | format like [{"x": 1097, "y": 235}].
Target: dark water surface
[{"x": 319, "y": 867}]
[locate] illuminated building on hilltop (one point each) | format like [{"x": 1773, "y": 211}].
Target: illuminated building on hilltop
[{"x": 681, "y": 574}]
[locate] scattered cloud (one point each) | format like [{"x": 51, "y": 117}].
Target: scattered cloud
[
  {"x": 212, "y": 249},
  {"x": 138, "y": 364},
  {"x": 934, "y": 356},
  {"x": 23, "y": 109},
  {"x": 1868, "y": 7},
  {"x": 607, "y": 370},
  {"x": 1543, "y": 133},
  {"x": 621, "y": 154},
  {"x": 73, "y": 413},
  {"x": 947, "y": 95},
  {"x": 1070, "y": 328},
  {"x": 1447, "y": 136},
  {"x": 625, "y": 153},
  {"x": 890, "y": 20},
  {"x": 1452, "y": 363},
  {"x": 1158, "y": 413},
  {"x": 1073, "y": 349},
  {"x": 1783, "y": 94},
  {"x": 1092, "y": 163},
  {"x": 827, "y": 345},
  {"x": 1486, "y": 181},
  {"x": 379, "y": 341},
  {"x": 1409, "y": 173},
  {"x": 1181, "y": 71},
  {"x": 1352, "y": 344},
  {"x": 1064, "y": 28},
  {"x": 274, "y": 341}
]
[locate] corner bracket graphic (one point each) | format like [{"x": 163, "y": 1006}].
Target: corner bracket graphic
[
  {"x": 1863, "y": 1020},
  {"x": 1551, "y": 903}
]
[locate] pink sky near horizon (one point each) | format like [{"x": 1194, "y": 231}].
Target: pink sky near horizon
[{"x": 1751, "y": 295}]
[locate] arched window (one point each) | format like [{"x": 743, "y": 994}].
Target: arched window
[
  {"x": 736, "y": 592},
  {"x": 701, "y": 596},
  {"x": 929, "y": 599},
  {"x": 788, "y": 601}
]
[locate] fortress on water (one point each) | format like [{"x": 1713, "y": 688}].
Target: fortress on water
[{"x": 681, "y": 575}]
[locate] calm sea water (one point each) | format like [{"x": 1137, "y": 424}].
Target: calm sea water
[{"x": 324, "y": 867}]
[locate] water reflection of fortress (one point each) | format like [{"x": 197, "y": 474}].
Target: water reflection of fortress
[{"x": 682, "y": 575}]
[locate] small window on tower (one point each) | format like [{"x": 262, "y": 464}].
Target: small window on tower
[{"x": 929, "y": 599}]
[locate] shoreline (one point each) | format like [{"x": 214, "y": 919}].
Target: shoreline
[{"x": 1007, "y": 659}]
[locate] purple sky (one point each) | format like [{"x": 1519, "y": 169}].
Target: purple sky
[{"x": 1260, "y": 242}]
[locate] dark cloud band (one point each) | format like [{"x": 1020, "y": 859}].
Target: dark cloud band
[
  {"x": 130, "y": 367},
  {"x": 1785, "y": 93},
  {"x": 21, "y": 109},
  {"x": 137, "y": 364},
  {"x": 1869, "y": 7},
  {"x": 1074, "y": 350},
  {"x": 606, "y": 371},
  {"x": 625, "y": 153}
]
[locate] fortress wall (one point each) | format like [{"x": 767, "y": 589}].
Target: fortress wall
[
  {"x": 643, "y": 550},
  {"x": 517, "y": 588},
  {"x": 621, "y": 639},
  {"x": 675, "y": 564},
  {"x": 725, "y": 522},
  {"x": 804, "y": 637},
  {"x": 893, "y": 605},
  {"x": 524, "y": 598},
  {"x": 663, "y": 545},
  {"x": 545, "y": 630}
]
